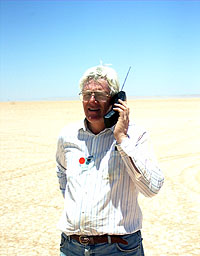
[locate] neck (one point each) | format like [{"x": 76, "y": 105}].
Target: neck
[{"x": 96, "y": 128}]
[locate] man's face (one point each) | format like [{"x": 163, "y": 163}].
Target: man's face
[{"x": 96, "y": 109}]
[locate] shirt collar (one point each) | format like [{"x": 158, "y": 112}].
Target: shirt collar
[{"x": 84, "y": 127}]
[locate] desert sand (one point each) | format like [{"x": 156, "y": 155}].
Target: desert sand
[{"x": 31, "y": 202}]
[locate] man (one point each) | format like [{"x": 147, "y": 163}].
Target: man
[{"x": 101, "y": 172}]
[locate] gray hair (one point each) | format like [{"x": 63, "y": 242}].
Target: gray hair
[{"x": 101, "y": 72}]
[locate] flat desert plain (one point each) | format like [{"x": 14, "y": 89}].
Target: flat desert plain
[{"x": 31, "y": 202}]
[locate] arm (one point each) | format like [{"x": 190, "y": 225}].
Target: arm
[
  {"x": 141, "y": 164},
  {"x": 137, "y": 154},
  {"x": 61, "y": 166}
]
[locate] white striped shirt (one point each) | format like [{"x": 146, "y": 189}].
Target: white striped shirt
[{"x": 99, "y": 181}]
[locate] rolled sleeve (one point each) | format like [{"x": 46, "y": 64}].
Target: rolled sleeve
[{"x": 141, "y": 164}]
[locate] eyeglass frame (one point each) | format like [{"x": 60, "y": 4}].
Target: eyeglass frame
[{"x": 92, "y": 93}]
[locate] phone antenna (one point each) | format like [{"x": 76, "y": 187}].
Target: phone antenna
[{"x": 126, "y": 78}]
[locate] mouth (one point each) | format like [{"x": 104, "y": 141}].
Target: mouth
[{"x": 93, "y": 109}]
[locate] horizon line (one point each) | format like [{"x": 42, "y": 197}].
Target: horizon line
[{"x": 74, "y": 98}]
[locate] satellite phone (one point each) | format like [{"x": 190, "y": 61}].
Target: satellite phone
[{"x": 112, "y": 116}]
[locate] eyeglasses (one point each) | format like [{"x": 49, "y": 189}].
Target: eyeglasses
[{"x": 99, "y": 95}]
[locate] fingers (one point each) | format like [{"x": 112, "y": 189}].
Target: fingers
[
  {"x": 121, "y": 103},
  {"x": 122, "y": 108},
  {"x": 121, "y": 127}
]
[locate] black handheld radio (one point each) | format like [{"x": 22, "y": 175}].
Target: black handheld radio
[{"x": 112, "y": 116}]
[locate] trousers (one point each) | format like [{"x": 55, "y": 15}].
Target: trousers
[{"x": 70, "y": 247}]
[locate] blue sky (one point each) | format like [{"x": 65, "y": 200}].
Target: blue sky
[{"x": 47, "y": 45}]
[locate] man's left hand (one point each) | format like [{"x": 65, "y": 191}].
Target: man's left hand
[{"x": 121, "y": 127}]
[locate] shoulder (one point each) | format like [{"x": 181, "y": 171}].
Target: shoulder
[
  {"x": 135, "y": 128},
  {"x": 136, "y": 131},
  {"x": 71, "y": 130}
]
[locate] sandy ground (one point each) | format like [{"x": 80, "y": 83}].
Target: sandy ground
[{"x": 30, "y": 200}]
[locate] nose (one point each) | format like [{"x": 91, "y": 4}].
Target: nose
[{"x": 92, "y": 98}]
